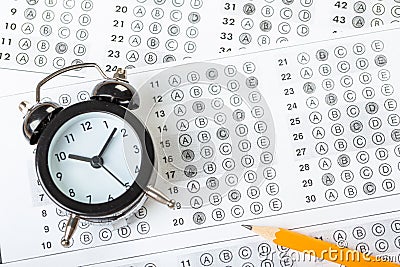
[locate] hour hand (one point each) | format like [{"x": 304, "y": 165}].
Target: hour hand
[{"x": 80, "y": 158}]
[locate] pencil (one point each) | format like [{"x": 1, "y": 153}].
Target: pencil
[{"x": 318, "y": 248}]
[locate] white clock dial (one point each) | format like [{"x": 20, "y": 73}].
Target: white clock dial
[{"x": 75, "y": 163}]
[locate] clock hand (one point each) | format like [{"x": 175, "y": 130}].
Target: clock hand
[
  {"x": 115, "y": 177},
  {"x": 76, "y": 157},
  {"x": 107, "y": 142},
  {"x": 96, "y": 162}
]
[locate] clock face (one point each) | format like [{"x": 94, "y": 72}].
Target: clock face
[{"x": 87, "y": 157}]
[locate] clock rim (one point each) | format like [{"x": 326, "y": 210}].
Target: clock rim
[{"x": 122, "y": 204}]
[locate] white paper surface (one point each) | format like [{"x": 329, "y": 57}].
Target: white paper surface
[
  {"x": 292, "y": 206},
  {"x": 24, "y": 237}
]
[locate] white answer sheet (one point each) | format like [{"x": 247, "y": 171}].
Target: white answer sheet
[
  {"x": 51, "y": 34},
  {"x": 304, "y": 137}
]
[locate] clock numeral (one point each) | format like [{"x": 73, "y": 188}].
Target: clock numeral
[
  {"x": 86, "y": 126},
  {"x": 70, "y": 138},
  {"x": 124, "y": 134},
  {"x": 110, "y": 198},
  {"x": 127, "y": 185},
  {"x": 61, "y": 156},
  {"x": 136, "y": 149},
  {"x": 90, "y": 198},
  {"x": 71, "y": 192},
  {"x": 59, "y": 175},
  {"x": 106, "y": 124}
]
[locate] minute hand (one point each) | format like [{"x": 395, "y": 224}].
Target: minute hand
[
  {"x": 107, "y": 142},
  {"x": 113, "y": 175}
]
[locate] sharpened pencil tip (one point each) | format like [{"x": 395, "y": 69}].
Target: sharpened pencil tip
[{"x": 247, "y": 226}]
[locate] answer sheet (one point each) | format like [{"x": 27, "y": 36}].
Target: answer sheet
[
  {"x": 313, "y": 138},
  {"x": 51, "y": 34},
  {"x": 304, "y": 137}
]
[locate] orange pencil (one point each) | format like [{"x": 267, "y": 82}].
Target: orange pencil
[{"x": 318, "y": 248}]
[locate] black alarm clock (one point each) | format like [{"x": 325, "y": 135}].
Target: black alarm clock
[{"x": 94, "y": 159}]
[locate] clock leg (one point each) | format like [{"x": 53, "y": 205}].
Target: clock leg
[
  {"x": 72, "y": 224},
  {"x": 159, "y": 196}
]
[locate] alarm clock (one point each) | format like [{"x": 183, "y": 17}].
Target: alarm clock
[{"x": 94, "y": 159}]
